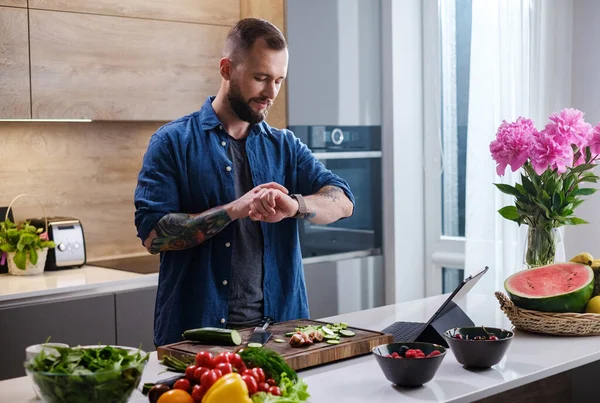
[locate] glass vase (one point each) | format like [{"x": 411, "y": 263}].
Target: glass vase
[{"x": 543, "y": 246}]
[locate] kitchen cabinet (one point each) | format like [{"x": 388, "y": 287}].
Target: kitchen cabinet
[
  {"x": 222, "y": 12},
  {"x": 14, "y": 3},
  {"x": 113, "y": 68},
  {"x": 273, "y": 11},
  {"x": 135, "y": 317},
  {"x": 77, "y": 321},
  {"x": 14, "y": 63}
]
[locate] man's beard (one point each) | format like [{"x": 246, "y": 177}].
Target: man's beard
[{"x": 242, "y": 108}]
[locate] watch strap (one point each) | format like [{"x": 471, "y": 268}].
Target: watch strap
[{"x": 301, "y": 206}]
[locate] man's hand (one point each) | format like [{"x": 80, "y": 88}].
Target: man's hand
[
  {"x": 241, "y": 207},
  {"x": 272, "y": 205}
]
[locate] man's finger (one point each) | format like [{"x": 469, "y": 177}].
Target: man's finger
[
  {"x": 257, "y": 203},
  {"x": 274, "y": 185}
]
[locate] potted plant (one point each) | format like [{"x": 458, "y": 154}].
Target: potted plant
[
  {"x": 24, "y": 246},
  {"x": 556, "y": 163}
]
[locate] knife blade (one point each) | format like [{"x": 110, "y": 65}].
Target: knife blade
[{"x": 260, "y": 334}]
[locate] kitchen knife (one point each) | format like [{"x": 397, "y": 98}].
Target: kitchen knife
[{"x": 260, "y": 334}]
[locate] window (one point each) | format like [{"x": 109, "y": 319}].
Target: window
[{"x": 447, "y": 46}]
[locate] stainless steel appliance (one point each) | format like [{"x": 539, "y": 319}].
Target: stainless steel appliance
[
  {"x": 67, "y": 234},
  {"x": 354, "y": 154}
]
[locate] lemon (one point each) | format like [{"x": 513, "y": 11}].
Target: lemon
[{"x": 593, "y": 305}]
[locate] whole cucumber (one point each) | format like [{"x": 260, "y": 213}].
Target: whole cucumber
[{"x": 214, "y": 335}]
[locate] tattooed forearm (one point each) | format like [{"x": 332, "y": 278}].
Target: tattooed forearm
[
  {"x": 179, "y": 231},
  {"x": 331, "y": 193},
  {"x": 329, "y": 204}
]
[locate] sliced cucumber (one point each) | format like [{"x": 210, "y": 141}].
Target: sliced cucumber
[
  {"x": 289, "y": 334},
  {"x": 329, "y": 336},
  {"x": 257, "y": 345},
  {"x": 328, "y": 331},
  {"x": 347, "y": 333},
  {"x": 332, "y": 341},
  {"x": 279, "y": 340},
  {"x": 214, "y": 335}
]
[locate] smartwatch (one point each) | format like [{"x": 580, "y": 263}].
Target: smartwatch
[{"x": 301, "y": 206}]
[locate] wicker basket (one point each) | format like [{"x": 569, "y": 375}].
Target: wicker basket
[
  {"x": 30, "y": 269},
  {"x": 559, "y": 324}
]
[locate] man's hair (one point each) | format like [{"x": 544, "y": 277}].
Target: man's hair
[{"x": 246, "y": 32}]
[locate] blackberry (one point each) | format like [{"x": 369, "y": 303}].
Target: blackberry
[{"x": 403, "y": 351}]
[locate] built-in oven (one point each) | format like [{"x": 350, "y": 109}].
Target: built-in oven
[{"x": 354, "y": 154}]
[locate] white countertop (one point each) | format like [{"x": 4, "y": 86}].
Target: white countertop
[
  {"x": 529, "y": 358},
  {"x": 88, "y": 277}
]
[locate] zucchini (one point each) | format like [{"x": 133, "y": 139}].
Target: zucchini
[
  {"x": 347, "y": 333},
  {"x": 214, "y": 335}
]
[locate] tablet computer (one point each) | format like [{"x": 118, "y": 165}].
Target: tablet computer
[{"x": 449, "y": 315}]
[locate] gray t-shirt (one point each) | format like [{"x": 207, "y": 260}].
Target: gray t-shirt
[{"x": 246, "y": 284}]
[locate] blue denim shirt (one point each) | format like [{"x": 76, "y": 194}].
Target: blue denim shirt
[{"x": 185, "y": 170}]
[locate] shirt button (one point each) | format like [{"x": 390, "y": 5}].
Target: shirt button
[
  {"x": 223, "y": 143},
  {"x": 224, "y": 282},
  {"x": 227, "y": 244},
  {"x": 222, "y": 320},
  {"x": 228, "y": 168},
  {"x": 220, "y": 127}
]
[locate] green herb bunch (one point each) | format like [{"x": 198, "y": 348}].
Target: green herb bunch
[
  {"x": 87, "y": 375},
  {"x": 25, "y": 240}
]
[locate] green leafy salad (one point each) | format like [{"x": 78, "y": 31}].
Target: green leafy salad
[{"x": 87, "y": 375}]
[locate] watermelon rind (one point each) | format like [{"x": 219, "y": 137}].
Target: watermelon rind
[{"x": 572, "y": 301}]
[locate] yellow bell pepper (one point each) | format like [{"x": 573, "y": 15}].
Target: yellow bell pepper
[{"x": 230, "y": 388}]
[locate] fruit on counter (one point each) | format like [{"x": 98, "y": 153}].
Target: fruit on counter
[
  {"x": 596, "y": 268},
  {"x": 214, "y": 335},
  {"x": 269, "y": 361},
  {"x": 229, "y": 388},
  {"x": 593, "y": 305},
  {"x": 583, "y": 258},
  {"x": 409, "y": 353},
  {"x": 559, "y": 287},
  {"x": 175, "y": 396},
  {"x": 156, "y": 391}
]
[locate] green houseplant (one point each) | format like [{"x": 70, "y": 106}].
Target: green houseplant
[{"x": 23, "y": 243}]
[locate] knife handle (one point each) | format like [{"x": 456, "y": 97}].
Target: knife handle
[{"x": 267, "y": 320}]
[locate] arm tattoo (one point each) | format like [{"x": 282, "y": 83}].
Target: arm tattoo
[
  {"x": 331, "y": 193},
  {"x": 179, "y": 231}
]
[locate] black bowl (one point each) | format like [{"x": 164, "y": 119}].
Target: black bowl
[
  {"x": 473, "y": 352},
  {"x": 409, "y": 371}
]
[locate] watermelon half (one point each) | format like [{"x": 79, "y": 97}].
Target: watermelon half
[{"x": 559, "y": 287}]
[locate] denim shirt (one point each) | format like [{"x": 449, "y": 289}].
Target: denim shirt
[{"x": 186, "y": 169}]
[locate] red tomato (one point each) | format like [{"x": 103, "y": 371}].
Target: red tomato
[
  {"x": 189, "y": 373},
  {"x": 224, "y": 368},
  {"x": 210, "y": 377},
  {"x": 237, "y": 362},
  {"x": 252, "y": 374},
  {"x": 263, "y": 387},
  {"x": 271, "y": 382},
  {"x": 251, "y": 384},
  {"x": 182, "y": 384},
  {"x": 221, "y": 358},
  {"x": 198, "y": 393},
  {"x": 259, "y": 374},
  {"x": 198, "y": 372},
  {"x": 274, "y": 390},
  {"x": 204, "y": 359}
]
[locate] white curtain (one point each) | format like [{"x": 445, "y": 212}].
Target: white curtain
[{"x": 520, "y": 66}]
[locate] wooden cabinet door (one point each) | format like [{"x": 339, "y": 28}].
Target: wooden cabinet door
[
  {"x": 216, "y": 12},
  {"x": 114, "y": 68},
  {"x": 274, "y": 12},
  {"x": 15, "y": 100},
  {"x": 14, "y": 3}
]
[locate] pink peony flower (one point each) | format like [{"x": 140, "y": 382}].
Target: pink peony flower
[
  {"x": 568, "y": 125},
  {"x": 512, "y": 144},
  {"x": 594, "y": 142},
  {"x": 547, "y": 152}
]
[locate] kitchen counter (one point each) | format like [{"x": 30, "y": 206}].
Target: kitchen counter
[
  {"x": 530, "y": 358},
  {"x": 84, "y": 280}
]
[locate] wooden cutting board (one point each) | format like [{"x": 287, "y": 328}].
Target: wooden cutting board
[{"x": 297, "y": 357}]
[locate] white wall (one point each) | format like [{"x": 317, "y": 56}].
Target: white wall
[{"x": 585, "y": 95}]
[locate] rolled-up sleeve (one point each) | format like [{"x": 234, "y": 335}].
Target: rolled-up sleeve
[
  {"x": 156, "y": 194},
  {"x": 312, "y": 174}
]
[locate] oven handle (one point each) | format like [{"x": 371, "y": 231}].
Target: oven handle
[{"x": 347, "y": 155}]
